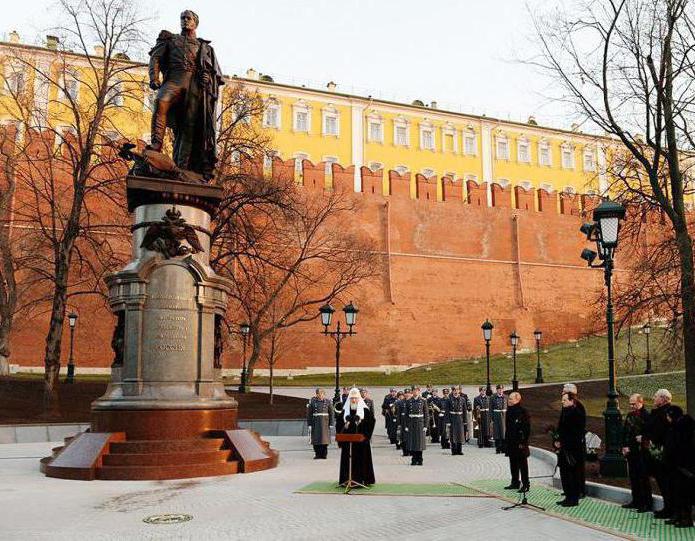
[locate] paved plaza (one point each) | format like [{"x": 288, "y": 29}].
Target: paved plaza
[{"x": 264, "y": 505}]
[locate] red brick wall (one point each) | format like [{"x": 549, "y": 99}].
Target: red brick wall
[
  {"x": 426, "y": 188},
  {"x": 314, "y": 175},
  {"x": 569, "y": 204},
  {"x": 524, "y": 198},
  {"x": 343, "y": 178},
  {"x": 547, "y": 201},
  {"x": 501, "y": 197},
  {"x": 477, "y": 193},
  {"x": 371, "y": 181},
  {"x": 399, "y": 185},
  {"x": 452, "y": 190}
]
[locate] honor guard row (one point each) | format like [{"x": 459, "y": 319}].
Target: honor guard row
[{"x": 489, "y": 413}]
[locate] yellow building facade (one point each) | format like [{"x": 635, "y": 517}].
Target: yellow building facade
[{"x": 325, "y": 125}]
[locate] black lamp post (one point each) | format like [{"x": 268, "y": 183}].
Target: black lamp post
[
  {"x": 326, "y": 312},
  {"x": 244, "y": 329},
  {"x": 72, "y": 320},
  {"x": 538, "y": 334},
  {"x": 514, "y": 340},
  {"x": 604, "y": 231},
  {"x": 647, "y": 330},
  {"x": 487, "y": 335}
]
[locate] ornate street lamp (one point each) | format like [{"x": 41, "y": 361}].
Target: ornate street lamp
[
  {"x": 604, "y": 231},
  {"x": 487, "y": 336},
  {"x": 538, "y": 334},
  {"x": 514, "y": 340},
  {"x": 72, "y": 320},
  {"x": 326, "y": 312},
  {"x": 245, "y": 330},
  {"x": 647, "y": 330}
]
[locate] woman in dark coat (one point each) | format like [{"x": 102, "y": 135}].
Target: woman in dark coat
[
  {"x": 356, "y": 418},
  {"x": 570, "y": 448}
]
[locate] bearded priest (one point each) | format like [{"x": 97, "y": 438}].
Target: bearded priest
[{"x": 356, "y": 418}]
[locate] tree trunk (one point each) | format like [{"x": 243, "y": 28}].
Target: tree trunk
[
  {"x": 5, "y": 328},
  {"x": 685, "y": 250},
  {"x": 54, "y": 341},
  {"x": 271, "y": 383}
]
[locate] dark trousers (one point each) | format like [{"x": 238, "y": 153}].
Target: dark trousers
[
  {"x": 518, "y": 464},
  {"x": 417, "y": 458},
  {"x": 682, "y": 490},
  {"x": 444, "y": 436},
  {"x": 499, "y": 446},
  {"x": 664, "y": 480},
  {"x": 320, "y": 451},
  {"x": 639, "y": 480},
  {"x": 570, "y": 476},
  {"x": 456, "y": 448}
]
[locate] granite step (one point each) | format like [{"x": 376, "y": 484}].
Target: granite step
[
  {"x": 166, "y": 446},
  {"x": 179, "y": 471},
  {"x": 166, "y": 459}
]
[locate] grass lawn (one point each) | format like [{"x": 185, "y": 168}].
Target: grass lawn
[{"x": 583, "y": 359}]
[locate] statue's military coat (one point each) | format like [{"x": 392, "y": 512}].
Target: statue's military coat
[
  {"x": 320, "y": 419},
  {"x": 418, "y": 417},
  {"x": 456, "y": 416}
]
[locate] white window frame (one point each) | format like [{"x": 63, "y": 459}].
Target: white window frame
[
  {"x": 11, "y": 75},
  {"x": 148, "y": 98},
  {"x": 63, "y": 81},
  {"x": 379, "y": 124},
  {"x": 503, "y": 182},
  {"x": 523, "y": 143},
  {"x": 567, "y": 150},
  {"x": 404, "y": 125},
  {"x": 426, "y": 128},
  {"x": 546, "y": 186},
  {"x": 376, "y": 166},
  {"x": 470, "y": 138},
  {"x": 526, "y": 185},
  {"x": 545, "y": 145},
  {"x": 330, "y": 113},
  {"x": 272, "y": 105},
  {"x": 569, "y": 190},
  {"x": 114, "y": 94},
  {"x": 446, "y": 131},
  {"x": 428, "y": 173},
  {"x": 401, "y": 169},
  {"x": 299, "y": 157},
  {"x": 301, "y": 107},
  {"x": 589, "y": 153},
  {"x": 268, "y": 159},
  {"x": 472, "y": 177},
  {"x": 451, "y": 175},
  {"x": 499, "y": 140},
  {"x": 328, "y": 164}
]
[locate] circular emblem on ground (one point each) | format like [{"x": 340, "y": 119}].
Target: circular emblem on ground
[{"x": 171, "y": 518}]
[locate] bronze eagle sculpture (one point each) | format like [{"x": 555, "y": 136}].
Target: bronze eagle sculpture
[{"x": 166, "y": 237}]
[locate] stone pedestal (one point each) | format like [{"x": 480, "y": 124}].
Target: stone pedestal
[{"x": 165, "y": 413}]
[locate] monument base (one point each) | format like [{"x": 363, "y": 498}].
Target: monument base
[{"x": 160, "y": 444}]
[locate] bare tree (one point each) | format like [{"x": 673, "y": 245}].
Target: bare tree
[
  {"x": 626, "y": 66},
  {"x": 69, "y": 173}
]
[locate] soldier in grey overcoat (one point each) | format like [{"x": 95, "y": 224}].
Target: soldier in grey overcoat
[
  {"x": 498, "y": 412},
  {"x": 402, "y": 417},
  {"x": 456, "y": 418},
  {"x": 441, "y": 418},
  {"x": 481, "y": 413},
  {"x": 418, "y": 418},
  {"x": 319, "y": 418}
]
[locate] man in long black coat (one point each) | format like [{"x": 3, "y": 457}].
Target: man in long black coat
[
  {"x": 517, "y": 432},
  {"x": 679, "y": 457},
  {"x": 656, "y": 431},
  {"x": 356, "y": 418},
  {"x": 570, "y": 447},
  {"x": 636, "y": 455}
]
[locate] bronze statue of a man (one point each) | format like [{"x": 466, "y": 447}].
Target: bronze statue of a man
[{"x": 187, "y": 96}]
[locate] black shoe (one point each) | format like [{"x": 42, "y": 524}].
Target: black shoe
[
  {"x": 664, "y": 513},
  {"x": 569, "y": 503},
  {"x": 398, "y": 447},
  {"x": 684, "y": 524},
  {"x": 630, "y": 505},
  {"x": 582, "y": 496},
  {"x": 413, "y": 462},
  {"x": 513, "y": 486},
  {"x": 523, "y": 489},
  {"x": 671, "y": 521}
]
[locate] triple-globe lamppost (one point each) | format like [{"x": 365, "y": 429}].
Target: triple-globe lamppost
[
  {"x": 72, "y": 320},
  {"x": 538, "y": 334},
  {"x": 487, "y": 336},
  {"x": 604, "y": 231},
  {"x": 514, "y": 341},
  {"x": 326, "y": 312},
  {"x": 244, "y": 330}
]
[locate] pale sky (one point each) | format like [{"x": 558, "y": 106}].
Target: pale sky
[{"x": 460, "y": 53}]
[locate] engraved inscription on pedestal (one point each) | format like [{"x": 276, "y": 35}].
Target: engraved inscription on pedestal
[{"x": 170, "y": 325}]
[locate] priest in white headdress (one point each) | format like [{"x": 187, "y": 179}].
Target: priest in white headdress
[{"x": 356, "y": 418}]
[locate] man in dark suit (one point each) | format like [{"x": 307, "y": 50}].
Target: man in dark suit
[
  {"x": 570, "y": 448},
  {"x": 517, "y": 431}
]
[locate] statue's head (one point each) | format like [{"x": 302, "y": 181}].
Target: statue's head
[{"x": 189, "y": 20}]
